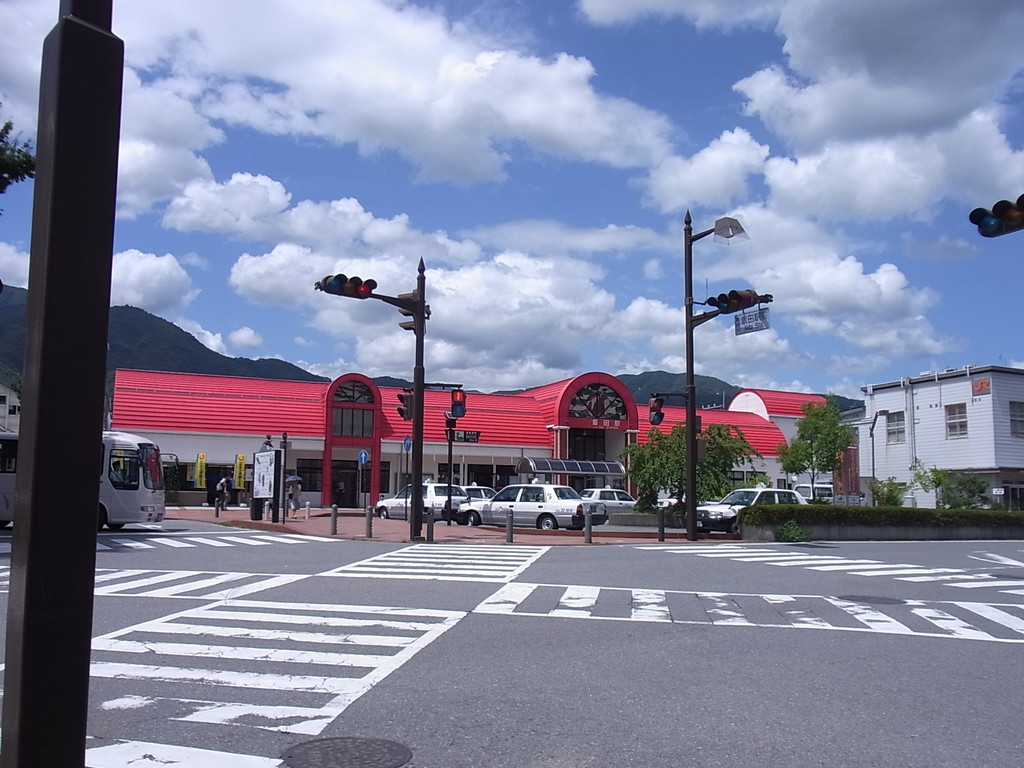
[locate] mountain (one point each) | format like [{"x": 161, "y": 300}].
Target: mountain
[{"x": 136, "y": 339}]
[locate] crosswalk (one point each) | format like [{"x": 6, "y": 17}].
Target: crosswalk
[
  {"x": 447, "y": 562},
  {"x": 945, "y": 619},
  {"x": 139, "y": 541},
  {"x": 824, "y": 563},
  {"x": 288, "y": 667}
]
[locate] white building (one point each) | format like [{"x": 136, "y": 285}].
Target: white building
[{"x": 967, "y": 420}]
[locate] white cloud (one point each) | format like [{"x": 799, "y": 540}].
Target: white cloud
[
  {"x": 207, "y": 338},
  {"x": 13, "y": 266},
  {"x": 157, "y": 284},
  {"x": 703, "y": 13},
  {"x": 715, "y": 176},
  {"x": 245, "y": 338}
]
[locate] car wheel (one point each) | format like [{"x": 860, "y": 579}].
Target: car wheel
[
  {"x": 115, "y": 526},
  {"x": 382, "y": 513},
  {"x": 547, "y": 523},
  {"x": 473, "y": 518},
  {"x": 4, "y": 524},
  {"x": 102, "y": 519}
]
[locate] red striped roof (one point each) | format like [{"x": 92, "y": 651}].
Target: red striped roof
[
  {"x": 781, "y": 403},
  {"x": 193, "y": 402},
  {"x": 197, "y": 403},
  {"x": 500, "y": 419},
  {"x": 762, "y": 434}
]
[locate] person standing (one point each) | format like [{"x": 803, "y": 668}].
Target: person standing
[{"x": 221, "y": 500}]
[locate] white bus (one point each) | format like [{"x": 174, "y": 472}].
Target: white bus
[{"x": 131, "y": 480}]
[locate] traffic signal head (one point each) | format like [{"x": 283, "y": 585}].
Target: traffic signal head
[
  {"x": 407, "y": 404},
  {"x": 656, "y": 416},
  {"x": 1004, "y": 218},
  {"x": 734, "y": 301},
  {"x": 458, "y": 404},
  {"x": 353, "y": 287}
]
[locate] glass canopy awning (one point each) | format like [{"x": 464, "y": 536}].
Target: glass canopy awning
[{"x": 569, "y": 467}]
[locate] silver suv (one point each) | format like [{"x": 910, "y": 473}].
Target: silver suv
[
  {"x": 435, "y": 497},
  {"x": 536, "y": 506}
]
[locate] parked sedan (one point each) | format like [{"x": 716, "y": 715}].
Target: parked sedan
[
  {"x": 537, "y": 506},
  {"x": 724, "y": 515},
  {"x": 615, "y": 500},
  {"x": 478, "y": 492},
  {"x": 435, "y": 497}
]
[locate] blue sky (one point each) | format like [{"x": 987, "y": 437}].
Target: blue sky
[{"x": 539, "y": 156}]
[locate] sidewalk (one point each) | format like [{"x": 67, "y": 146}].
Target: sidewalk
[{"x": 351, "y": 524}]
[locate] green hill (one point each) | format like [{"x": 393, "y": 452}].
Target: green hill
[{"x": 138, "y": 340}]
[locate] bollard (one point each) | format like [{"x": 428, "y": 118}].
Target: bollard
[
  {"x": 508, "y": 526},
  {"x": 266, "y": 509},
  {"x": 428, "y": 516},
  {"x": 307, "y": 510},
  {"x": 369, "y": 522},
  {"x": 334, "y": 520},
  {"x": 588, "y": 525},
  {"x": 661, "y": 523}
]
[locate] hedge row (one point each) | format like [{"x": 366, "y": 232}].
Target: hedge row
[{"x": 832, "y": 514}]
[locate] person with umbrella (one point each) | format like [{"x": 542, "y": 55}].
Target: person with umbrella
[{"x": 293, "y": 487}]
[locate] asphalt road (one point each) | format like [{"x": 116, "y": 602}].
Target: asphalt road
[{"x": 218, "y": 647}]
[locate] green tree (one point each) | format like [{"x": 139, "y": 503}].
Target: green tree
[
  {"x": 888, "y": 492},
  {"x": 953, "y": 490},
  {"x": 660, "y": 463},
  {"x": 17, "y": 162},
  {"x": 821, "y": 438}
]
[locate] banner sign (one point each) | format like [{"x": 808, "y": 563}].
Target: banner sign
[
  {"x": 239, "y": 481},
  {"x": 201, "y": 471}
]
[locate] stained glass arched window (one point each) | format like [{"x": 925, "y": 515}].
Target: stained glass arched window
[
  {"x": 597, "y": 401},
  {"x": 353, "y": 392}
]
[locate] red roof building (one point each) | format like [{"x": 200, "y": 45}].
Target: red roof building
[{"x": 348, "y": 443}]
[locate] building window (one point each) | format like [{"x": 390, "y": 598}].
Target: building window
[
  {"x": 895, "y": 427},
  {"x": 956, "y": 420},
  {"x": 352, "y": 422},
  {"x": 353, "y": 392},
  {"x": 598, "y": 401},
  {"x": 1017, "y": 419}
]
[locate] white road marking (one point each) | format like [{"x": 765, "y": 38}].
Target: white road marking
[
  {"x": 312, "y": 686},
  {"x": 139, "y": 754},
  {"x": 448, "y": 562},
  {"x": 794, "y": 611}
]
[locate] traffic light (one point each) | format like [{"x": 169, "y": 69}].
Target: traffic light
[
  {"x": 353, "y": 287},
  {"x": 734, "y": 301},
  {"x": 656, "y": 416},
  {"x": 410, "y": 299},
  {"x": 408, "y": 404},
  {"x": 458, "y": 403},
  {"x": 1004, "y": 218}
]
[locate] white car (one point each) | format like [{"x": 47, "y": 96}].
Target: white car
[
  {"x": 435, "y": 497},
  {"x": 535, "y": 505},
  {"x": 615, "y": 499},
  {"x": 478, "y": 492},
  {"x": 723, "y": 515}
]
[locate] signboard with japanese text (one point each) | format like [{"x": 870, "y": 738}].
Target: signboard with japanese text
[{"x": 749, "y": 322}]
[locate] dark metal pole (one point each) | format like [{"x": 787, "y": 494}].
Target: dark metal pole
[
  {"x": 418, "y": 378},
  {"x": 53, "y": 558},
  {"x": 450, "y": 429},
  {"x": 691, "y": 391},
  {"x": 691, "y": 398}
]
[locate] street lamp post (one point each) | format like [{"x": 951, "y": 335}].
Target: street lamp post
[
  {"x": 725, "y": 228},
  {"x": 871, "y": 434}
]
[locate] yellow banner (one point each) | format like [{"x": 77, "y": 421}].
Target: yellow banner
[
  {"x": 239, "y": 471},
  {"x": 201, "y": 471}
]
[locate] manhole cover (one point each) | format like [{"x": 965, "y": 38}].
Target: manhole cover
[
  {"x": 872, "y": 599},
  {"x": 347, "y": 752}
]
